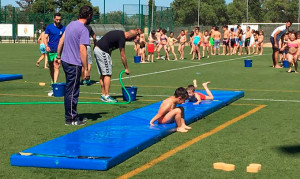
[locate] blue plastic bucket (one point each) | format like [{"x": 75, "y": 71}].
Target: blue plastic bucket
[
  {"x": 286, "y": 64},
  {"x": 132, "y": 92},
  {"x": 248, "y": 63},
  {"x": 137, "y": 59},
  {"x": 58, "y": 89}
]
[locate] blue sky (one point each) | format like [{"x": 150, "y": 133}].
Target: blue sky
[{"x": 111, "y": 5}]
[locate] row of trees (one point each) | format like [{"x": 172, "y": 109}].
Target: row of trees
[
  {"x": 52, "y": 6},
  {"x": 218, "y": 12}
]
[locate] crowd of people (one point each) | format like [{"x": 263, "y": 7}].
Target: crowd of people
[
  {"x": 234, "y": 40},
  {"x": 70, "y": 47}
]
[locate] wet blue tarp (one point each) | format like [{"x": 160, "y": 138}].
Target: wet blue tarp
[{"x": 106, "y": 144}]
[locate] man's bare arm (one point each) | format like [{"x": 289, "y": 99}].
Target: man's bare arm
[
  {"x": 60, "y": 45},
  {"x": 124, "y": 60}
]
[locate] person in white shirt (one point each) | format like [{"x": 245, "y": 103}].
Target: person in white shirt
[{"x": 275, "y": 37}]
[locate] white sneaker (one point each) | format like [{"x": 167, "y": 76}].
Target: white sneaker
[
  {"x": 110, "y": 99},
  {"x": 50, "y": 93}
]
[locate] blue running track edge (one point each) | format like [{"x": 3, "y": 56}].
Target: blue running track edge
[{"x": 106, "y": 144}]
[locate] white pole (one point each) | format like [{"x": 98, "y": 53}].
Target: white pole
[{"x": 199, "y": 11}]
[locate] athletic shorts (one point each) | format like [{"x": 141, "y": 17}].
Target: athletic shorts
[
  {"x": 202, "y": 96},
  {"x": 205, "y": 44},
  {"x": 247, "y": 42},
  {"x": 211, "y": 41},
  {"x": 89, "y": 54},
  {"x": 273, "y": 42},
  {"x": 217, "y": 43},
  {"x": 103, "y": 61},
  {"x": 225, "y": 42},
  {"x": 51, "y": 56},
  {"x": 43, "y": 48},
  {"x": 151, "y": 48},
  {"x": 237, "y": 41},
  {"x": 232, "y": 42}
]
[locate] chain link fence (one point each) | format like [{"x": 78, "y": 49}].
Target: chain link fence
[
  {"x": 147, "y": 18},
  {"x": 14, "y": 16}
]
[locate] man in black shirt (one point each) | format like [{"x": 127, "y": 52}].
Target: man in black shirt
[{"x": 110, "y": 41}]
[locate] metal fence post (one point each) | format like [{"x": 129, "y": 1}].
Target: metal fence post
[
  {"x": 14, "y": 24},
  {"x": 123, "y": 17}
]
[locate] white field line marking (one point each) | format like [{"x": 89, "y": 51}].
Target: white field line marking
[
  {"x": 274, "y": 100},
  {"x": 122, "y": 94},
  {"x": 187, "y": 67}
]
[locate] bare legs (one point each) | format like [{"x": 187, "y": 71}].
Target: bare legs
[
  {"x": 105, "y": 84},
  {"x": 181, "y": 51},
  {"x": 275, "y": 58},
  {"x": 150, "y": 54},
  {"x": 293, "y": 62},
  {"x": 176, "y": 114},
  {"x": 56, "y": 70},
  {"x": 173, "y": 52},
  {"x": 204, "y": 85},
  {"x": 43, "y": 56},
  {"x": 51, "y": 69}
]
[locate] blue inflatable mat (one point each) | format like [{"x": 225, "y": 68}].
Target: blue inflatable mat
[
  {"x": 106, "y": 144},
  {"x": 7, "y": 77}
]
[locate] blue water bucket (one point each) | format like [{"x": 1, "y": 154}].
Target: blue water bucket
[
  {"x": 58, "y": 89},
  {"x": 286, "y": 64},
  {"x": 137, "y": 59},
  {"x": 132, "y": 92},
  {"x": 248, "y": 63}
]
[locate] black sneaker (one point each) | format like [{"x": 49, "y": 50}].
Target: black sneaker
[
  {"x": 79, "y": 123},
  {"x": 69, "y": 123},
  {"x": 81, "y": 82},
  {"x": 83, "y": 119}
]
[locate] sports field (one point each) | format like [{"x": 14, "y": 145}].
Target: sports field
[{"x": 263, "y": 126}]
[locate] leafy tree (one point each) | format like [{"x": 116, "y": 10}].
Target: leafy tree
[
  {"x": 114, "y": 17},
  {"x": 211, "y": 12},
  {"x": 280, "y": 11},
  {"x": 255, "y": 13},
  {"x": 38, "y": 6},
  {"x": 236, "y": 11}
]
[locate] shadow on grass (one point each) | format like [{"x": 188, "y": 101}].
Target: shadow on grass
[
  {"x": 92, "y": 116},
  {"x": 292, "y": 149}
]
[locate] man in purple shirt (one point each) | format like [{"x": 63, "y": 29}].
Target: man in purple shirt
[{"x": 73, "y": 47}]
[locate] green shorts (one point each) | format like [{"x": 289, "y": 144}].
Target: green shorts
[
  {"x": 51, "y": 56},
  {"x": 211, "y": 41}
]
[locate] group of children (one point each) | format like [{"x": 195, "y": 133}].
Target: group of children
[
  {"x": 169, "y": 112},
  {"x": 289, "y": 45},
  {"x": 234, "y": 39},
  {"x": 157, "y": 41}
]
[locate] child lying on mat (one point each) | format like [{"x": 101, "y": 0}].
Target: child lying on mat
[
  {"x": 168, "y": 112},
  {"x": 196, "y": 96}
]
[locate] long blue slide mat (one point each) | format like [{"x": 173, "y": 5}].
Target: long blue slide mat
[
  {"x": 7, "y": 77},
  {"x": 106, "y": 144}
]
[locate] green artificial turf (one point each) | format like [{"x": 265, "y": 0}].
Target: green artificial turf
[{"x": 270, "y": 136}]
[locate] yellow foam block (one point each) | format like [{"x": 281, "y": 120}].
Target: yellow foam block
[
  {"x": 219, "y": 165},
  {"x": 42, "y": 84},
  {"x": 255, "y": 165},
  {"x": 252, "y": 169},
  {"x": 26, "y": 154},
  {"x": 228, "y": 167}
]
